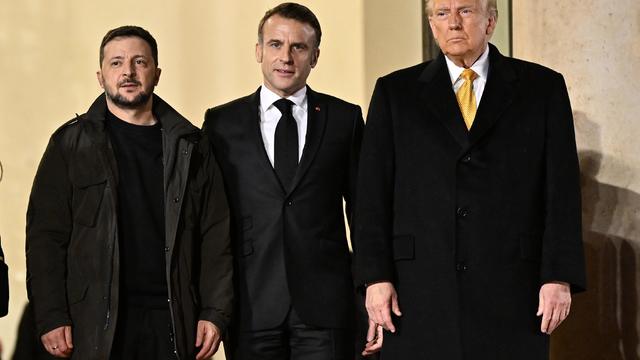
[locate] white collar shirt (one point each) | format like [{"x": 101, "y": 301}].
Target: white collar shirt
[
  {"x": 270, "y": 115},
  {"x": 480, "y": 67}
]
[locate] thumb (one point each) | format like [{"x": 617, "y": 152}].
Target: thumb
[
  {"x": 394, "y": 306},
  {"x": 67, "y": 337},
  {"x": 540, "y": 305}
]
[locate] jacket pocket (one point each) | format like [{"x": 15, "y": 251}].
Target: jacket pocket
[
  {"x": 87, "y": 197},
  {"x": 531, "y": 246},
  {"x": 403, "y": 247}
]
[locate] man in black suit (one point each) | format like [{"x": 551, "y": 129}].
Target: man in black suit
[
  {"x": 288, "y": 156},
  {"x": 468, "y": 212}
]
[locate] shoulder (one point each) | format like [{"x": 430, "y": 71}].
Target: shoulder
[
  {"x": 411, "y": 73},
  {"x": 335, "y": 103},
  {"x": 230, "y": 107},
  {"x": 532, "y": 71}
]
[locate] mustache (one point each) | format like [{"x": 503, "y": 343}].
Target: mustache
[{"x": 129, "y": 81}]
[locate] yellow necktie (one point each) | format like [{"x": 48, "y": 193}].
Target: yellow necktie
[{"x": 466, "y": 97}]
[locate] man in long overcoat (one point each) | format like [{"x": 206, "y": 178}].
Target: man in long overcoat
[{"x": 467, "y": 234}]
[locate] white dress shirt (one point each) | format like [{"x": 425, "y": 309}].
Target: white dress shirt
[
  {"x": 480, "y": 67},
  {"x": 270, "y": 115}
]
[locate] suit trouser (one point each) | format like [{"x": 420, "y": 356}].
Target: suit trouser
[
  {"x": 143, "y": 333},
  {"x": 292, "y": 340}
]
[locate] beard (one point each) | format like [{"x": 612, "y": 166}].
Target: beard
[{"x": 134, "y": 103}]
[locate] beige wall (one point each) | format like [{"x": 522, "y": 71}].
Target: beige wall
[
  {"x": 595, "y": 45},
  {"x": 49, "y": 55}
]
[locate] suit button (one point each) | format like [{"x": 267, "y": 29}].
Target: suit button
[
  {"x": 462, "y": 212},
  {"x": 176, "y": 200},
  {"x": 166, "y": 249},
  {"x": 461, "y": 267},
  {"x": 466, "y": 158},
  {"x": 289, "y": 203}
]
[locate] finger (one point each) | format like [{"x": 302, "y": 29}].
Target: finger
[
  {"x": 375, "y": 345},
  {"x": 546, "y": 317},
  {"x": 68, "y": 337},
  {"x": 216, "y": 345},
  {"x": 555, "y": 320},
  {"x": 199, "y": 334},
  {"x": 386, "y": 322},
  {"x": 395, "y": 307},
  {"x": 207, "y": 341},
  {"x": 371, "y": 331}
]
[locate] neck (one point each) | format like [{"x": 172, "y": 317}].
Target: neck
[
  {"x": 141, "y": 115},
  {"x": 466, "y": 61}
]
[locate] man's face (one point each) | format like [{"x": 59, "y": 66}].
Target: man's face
[
  {"x": 287, "y": 54},
  {"x": 128, "y": 73},
  {"x": 462, "y": 29}
]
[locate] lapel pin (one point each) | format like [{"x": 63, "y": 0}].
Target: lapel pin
[{"x": 317, "y": 108}]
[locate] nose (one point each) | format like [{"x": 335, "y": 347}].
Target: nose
[
  {"x": 128, "y": 69},
  {"x": 285, "y": 54},
  {"x": 455, "y": 20}
]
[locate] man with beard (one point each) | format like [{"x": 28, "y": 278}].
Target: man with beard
[{"x": 127, "y": 226}]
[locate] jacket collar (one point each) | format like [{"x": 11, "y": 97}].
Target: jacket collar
[
  {"x": 174, "y": 125},
  {"x": 437, "y": 96}
]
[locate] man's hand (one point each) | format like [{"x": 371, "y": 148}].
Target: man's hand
[
  {"x": 58, "y": 342},
  {"x": 374, "y": 339},
  {"x": 207, "y": 339},
  {"x": 381, "y": 300},
  {"x": 554, "y": 306}
]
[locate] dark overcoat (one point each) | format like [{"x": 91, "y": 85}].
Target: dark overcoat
[{"x": 469, "y": 224}]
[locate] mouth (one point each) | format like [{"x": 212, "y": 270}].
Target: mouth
[
  {"x": 129, "y": 84},
  {"x": 284, "y": 72}
]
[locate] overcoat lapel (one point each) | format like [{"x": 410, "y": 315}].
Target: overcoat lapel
[
  {"x": 497, "y": 96},
  {"x": 437, "y": 98},
  {"x": 316, "y": 123},
  {"x": 252, "y": 114}
]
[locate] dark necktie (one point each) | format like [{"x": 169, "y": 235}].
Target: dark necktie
[{"x": 286, "y": 144}]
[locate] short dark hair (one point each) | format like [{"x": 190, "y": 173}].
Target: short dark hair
[
  {"x": 129, "y": 31},
  {"x": 296, "y": 12}
]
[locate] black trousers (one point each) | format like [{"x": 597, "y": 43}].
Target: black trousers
[
  {"x": 143, "y": 333},
  {"x": 292, "y": 340}
]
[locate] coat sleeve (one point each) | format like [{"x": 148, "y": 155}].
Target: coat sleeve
[
  {"x": 48, "y": 231},
  {"x": 4, "y": 285},
  {"x": 373, "y": 213},
  {"x": 562, "y": 251},
  {"x": 349, "y": 192},
  {"x": 216, "y": 286}
]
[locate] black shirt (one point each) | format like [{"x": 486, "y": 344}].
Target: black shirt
[{"x": 138, "y": 152}]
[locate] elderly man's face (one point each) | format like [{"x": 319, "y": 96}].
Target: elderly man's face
[{"x": 462, "y": 29}]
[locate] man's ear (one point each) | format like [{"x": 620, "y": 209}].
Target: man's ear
[
  {"x": 100, "y": 79},
  {"x": 315, "y": 56},
  {"x": 158, "y": 71},
  {"x": 259, "y": 52}
]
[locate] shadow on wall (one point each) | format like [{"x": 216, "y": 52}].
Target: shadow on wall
[{"x": 604, "y": 320}]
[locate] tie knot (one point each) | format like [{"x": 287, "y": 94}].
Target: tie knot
[
  {"x": 468, "y": 74},
  {"x": 284, "y": 105}
]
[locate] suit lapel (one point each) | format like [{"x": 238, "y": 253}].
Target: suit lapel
[
  {"x": 253, "y": 116},
  {"x": 438, "y": 98},
  {"x": 497, "y": 96},
  {"x": 316, "y": 122}
]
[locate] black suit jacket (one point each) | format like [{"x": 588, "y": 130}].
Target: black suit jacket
[
  {"x": 469, "y": 224},
  {"x": 290, "y": 245}
]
